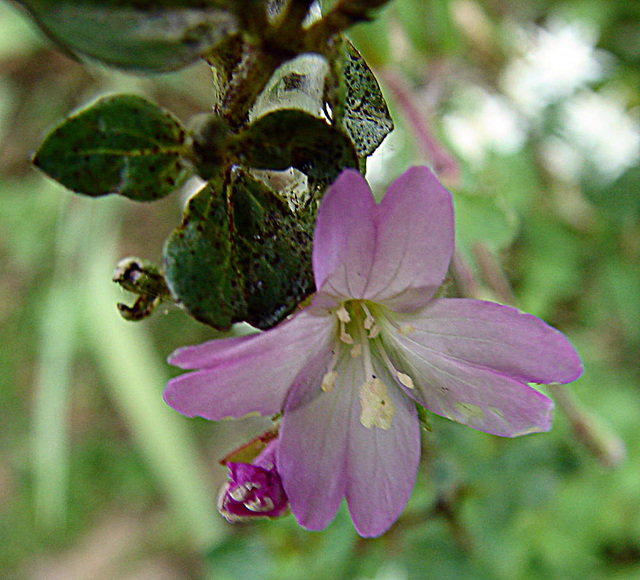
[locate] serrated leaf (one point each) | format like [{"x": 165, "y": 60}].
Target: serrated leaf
[
  {"x": 240, "y": 255},
  {"x": 366, "y": 116},
  {"x": 198, "y": 260},
  {"x": 137, "y": 34},
  {"x": 294, "y": 138},
  {"x": 119, "y": 144}
]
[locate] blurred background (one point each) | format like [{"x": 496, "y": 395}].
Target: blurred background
[{"x": 529, "y": 112}]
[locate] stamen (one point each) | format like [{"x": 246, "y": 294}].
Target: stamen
[
  {"x": 369, "y": 320},
  {"x": 239, "y": 492},
  {"x": 259, "y": 505},
  {"x": 370, "y": 324},
  {"x": 375, "y": 331},
  {"x": 406, "y": 380},
  {"x": 343, "y": 315},
  {"x": 356, "y": 351},
  {"x": 344, "y": 335}
]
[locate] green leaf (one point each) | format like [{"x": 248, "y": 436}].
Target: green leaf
[
  {"x": 618, "y": 200},
  {"x": 198, "y": 260},
  {"x": 273, "y": 249},
  {"x": 294, "y": 138},
  {"x": 366, "y": 116},
  {"x": 137, "y": 34},
  {"x": 240, "y": 255},
  {"x": 120, "y": 144},
  {"x": 225, "y": 60}
]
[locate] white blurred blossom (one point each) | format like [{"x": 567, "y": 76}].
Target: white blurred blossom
[
  {"x": 484, "y": 123},
  {"x": 596, "y": 132},
  {"x": 556, "y": 61}
]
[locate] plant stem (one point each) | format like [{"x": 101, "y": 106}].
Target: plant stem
[
  {"x": 342, "y": 16},
  {"x": 599, "y": 440},
  {"x": 442, "y": 162},
  {"x": 248, "y": 81}
]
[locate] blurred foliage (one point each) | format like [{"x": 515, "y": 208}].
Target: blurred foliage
[{"x": 90, "y": 487}]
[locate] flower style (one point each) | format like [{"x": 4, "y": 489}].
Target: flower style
[
  {"x": 254, "y": 490},
  {"x": 346, "y": 370}
]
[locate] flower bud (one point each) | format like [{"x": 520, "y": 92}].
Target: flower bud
[{"x": 254, "y": 490}]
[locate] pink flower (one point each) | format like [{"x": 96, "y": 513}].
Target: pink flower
[{"x": 347, "y": 370}]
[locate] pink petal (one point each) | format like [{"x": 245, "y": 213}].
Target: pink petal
[
  {"x": 383, "y": 465},
  {"x": 470, "y": 360},
  {"x": 312, "y": 449},
  {"x": 415, "y": 241},
  {"x": 506, "y": 407},
  {"x": 473, "y": 395},
  {"x": 494, "y": 336},
  {"x": 209, "y": 353},
  {"x": 344, "y": 237},
  {"x": 325, "y": 454},
  {"x": 249, "y": 374},
  {"x": 396, "y": 253}
]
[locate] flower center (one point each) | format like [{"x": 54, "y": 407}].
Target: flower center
[{"x": 357, "y": 330}]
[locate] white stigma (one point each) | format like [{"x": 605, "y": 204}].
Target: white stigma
[{"x": 377, "y": 408}]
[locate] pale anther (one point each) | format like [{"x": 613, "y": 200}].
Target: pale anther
[
  {"x": 256, "y": 505},
  {"x": 344, "y": 335},
  {"x": 370, "y": 323},
  {"x": 329, "y": 381},
  {"x": 356, "y": 351},
  {"x": 343, "y": 315},
  {"x": 369, "y": 320},
  {"x": 239, "y": 492},
  {"x": 406, "y": 380}
]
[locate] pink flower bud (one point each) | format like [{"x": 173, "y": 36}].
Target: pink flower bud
[{"x": 254, "y": 490}]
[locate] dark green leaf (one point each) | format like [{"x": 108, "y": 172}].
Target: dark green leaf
[
  {"x": 120, "y": 144},
  {"x": 208, "y": 140},
  {"x": 137, "y": 34},
  {"x": 254, "y": 266},
  {"x": 294, "y": 138},
  {"x": 273, "y": 250},
  {"x": 366, "y": 115},
  {"x": 225, "y": 60},
  {"x": 198, "y": 260}
]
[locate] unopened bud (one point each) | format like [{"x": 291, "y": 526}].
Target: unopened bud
[{"x": 254, "y": 490}]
